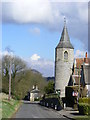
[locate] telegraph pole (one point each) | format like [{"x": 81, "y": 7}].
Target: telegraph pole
[
  {"x": 79, "y": 80},
  {"x": 9, "y": 97},
  {"x": 9, "y": 57}
]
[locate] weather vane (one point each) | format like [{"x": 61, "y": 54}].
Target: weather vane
[{"x": 64, "y": 21}]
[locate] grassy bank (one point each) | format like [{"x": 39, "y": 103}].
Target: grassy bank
[
  {"x": 9, "y": 107},
  {"x": 0, "y": 110},
  {"x": 86, "y": 117}
]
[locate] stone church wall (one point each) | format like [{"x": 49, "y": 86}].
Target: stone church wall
[{"x": 63, "y": 69}]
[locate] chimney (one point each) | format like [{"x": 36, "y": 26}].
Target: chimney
[
  {"x": 36, "y": 87},
  {"x": 33, "y": 87},
  {"x": 86, "y": 55},
  {"x": 86, "y": 59}
]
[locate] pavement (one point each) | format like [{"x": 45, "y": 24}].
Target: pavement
[{"x": 69, "y": 113}]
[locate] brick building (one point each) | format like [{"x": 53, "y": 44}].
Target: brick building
[{"x": 82, "y": 65}]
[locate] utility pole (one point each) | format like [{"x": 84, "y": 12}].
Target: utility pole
[
  {"x": 79, "y": 80},
  {"x": 9, "y": 97},
  {"x": 10, "y": 57}
]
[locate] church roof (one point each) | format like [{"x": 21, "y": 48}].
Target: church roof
[{"x": 65, "y": 41}]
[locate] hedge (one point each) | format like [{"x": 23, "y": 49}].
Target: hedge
[
  {"x": 84, "y": 100},
  {"x": 84, "y": 108},
  {"x": 52, "y": 100},
  {"x": 52, "y": 95}
]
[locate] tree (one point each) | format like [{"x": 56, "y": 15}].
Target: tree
[
  {"x": 22, "y": 78},
  {"x": 17, "y": 65},
  {"x": 10, "y": 67},
  {"x": 0, "y": 75},
  {"x": 49, "y": 88},
  {"x": 8, "y": 71}
]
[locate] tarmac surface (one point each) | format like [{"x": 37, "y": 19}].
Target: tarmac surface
[{"x": 34, "y": 110}]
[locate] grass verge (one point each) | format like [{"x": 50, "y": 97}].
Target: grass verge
[
  {"x": 9, "y": 107},
  {"x": 85, "y": 117}
]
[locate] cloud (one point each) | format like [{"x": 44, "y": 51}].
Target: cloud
[
  {"x": 79, "y": 54},
  {"x": 44, "y": 66},
  {"x": 29, "y": 11},
  {"x": 49, "y": 14},
  {"x": 35, "y": 30},
  {"x": 42, "y": 12},
  {"x": 35, "y": 57}
]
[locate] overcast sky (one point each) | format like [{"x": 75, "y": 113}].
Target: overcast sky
[{"x": 32, "y": 29}]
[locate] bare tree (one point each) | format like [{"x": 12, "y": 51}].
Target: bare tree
[
  {"x": 12, "y": 65},
  {"x": 7, "y": 67}
]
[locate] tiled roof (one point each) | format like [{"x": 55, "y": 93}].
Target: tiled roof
[{"x": 80, "y": 61}]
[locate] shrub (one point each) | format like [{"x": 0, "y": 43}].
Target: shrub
[
  {"x": 51, "y": 100},
  {"x": 84, "y": 91},
  {"x": 84, "y": 100},
  {"x": 49, "y": 88},
  {"x": 52, "y": 95},
  {"x": 84, "y": 108}
]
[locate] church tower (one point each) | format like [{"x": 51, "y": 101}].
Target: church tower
[{"x": 64, "y": 58}]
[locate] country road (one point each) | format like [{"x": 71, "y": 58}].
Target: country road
[{"x": 29, "y": 110}]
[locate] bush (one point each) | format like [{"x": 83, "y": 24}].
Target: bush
[
  {"x": 84, "y": 108},
  {"x": 49, "y": 88},
  {"x": 52, "y": 100},
  {"x": 52, "y": 95},
  {"x": 84, "y": 100}
]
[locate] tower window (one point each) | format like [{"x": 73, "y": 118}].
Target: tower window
[{"x": 65, "y": 55}]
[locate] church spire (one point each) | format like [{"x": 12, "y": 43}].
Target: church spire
[{"x": 64, "y": 40}]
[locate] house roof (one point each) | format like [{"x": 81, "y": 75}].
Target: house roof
[
  {"x": 35, "y": 91},
  {"x": 64, "y": 40},
  {"x": 84, "y": 64},
  {"x": 80, "y": 61}
]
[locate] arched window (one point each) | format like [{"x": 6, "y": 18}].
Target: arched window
[{"x": 65, "y": 55}]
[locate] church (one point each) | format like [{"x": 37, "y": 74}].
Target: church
[{"x": 66, "y": 66}]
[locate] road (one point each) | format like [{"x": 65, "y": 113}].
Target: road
[{"x": 29, "y": 110}]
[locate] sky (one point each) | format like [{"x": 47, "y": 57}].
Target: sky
[{"x": 32, "y": 29}]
